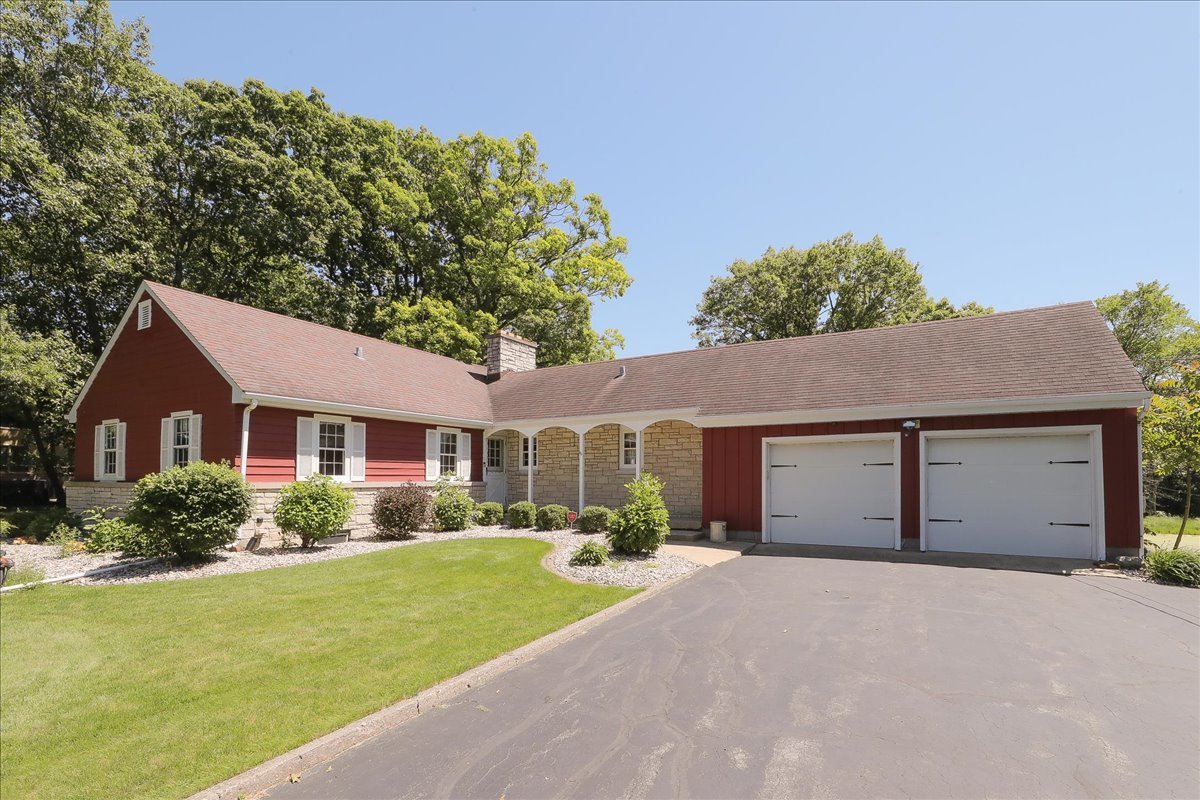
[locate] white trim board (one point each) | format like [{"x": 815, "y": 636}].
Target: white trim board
[
  {"x": 321, "y": 406},
  {"x": 1096, "y": 441},
  {"x": 826, "y": 439}
]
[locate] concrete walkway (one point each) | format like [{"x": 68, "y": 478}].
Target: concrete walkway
[
  {"x": 707, "y": 553},
  {"x": 778, "y": 677}
]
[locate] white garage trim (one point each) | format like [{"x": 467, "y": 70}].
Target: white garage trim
[
  {"x": 1094, "y": 433},
  {"x": 826, "y": 439}
]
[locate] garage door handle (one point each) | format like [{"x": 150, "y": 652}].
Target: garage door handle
[
  {"x": 936, "y": 519},
  {"x": 944, "y": 463},
  {"x": 893, "y": 519},
  {"x": 773, "y": 466},
  {"x": 1085, "y": 461},
  {"x": 1073, "y": 524},
  {"x": 795, "y": 516},
  {"x": 878, "y": 464}
]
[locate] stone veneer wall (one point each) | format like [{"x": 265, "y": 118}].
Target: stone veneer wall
[
  {"x": 82, "y": 496},
  {"x": 673, "y": 452}
]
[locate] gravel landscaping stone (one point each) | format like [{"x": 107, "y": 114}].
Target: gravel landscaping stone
[
  {"x": 44, "y": 557},
  {"x": 629, "y": 571}
]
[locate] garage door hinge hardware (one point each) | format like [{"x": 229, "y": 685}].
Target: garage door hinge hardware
[
  {"x": 944, "y": 463},
  {"x": 791, "y": 516},
  {"x": 878, "y": 464},
  {"x": 1073, "y": 524},
  {"x": 773, "y": 466},
  {"x": 935, "y": 519},
  {"x": 890, "y": 518},
  {"x": 1085, "y": 461}
]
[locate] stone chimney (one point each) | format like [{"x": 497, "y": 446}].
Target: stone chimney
[{"x": 507, "y": 352}]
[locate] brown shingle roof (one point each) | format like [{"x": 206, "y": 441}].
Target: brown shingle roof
[
  {"x": 267, "y": 353},
  {"x": 1045, "y": 352},
  {"x": 1056, "y": 351}
]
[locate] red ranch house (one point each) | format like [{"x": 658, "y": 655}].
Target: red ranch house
[{"x": 1015, "y": 433}]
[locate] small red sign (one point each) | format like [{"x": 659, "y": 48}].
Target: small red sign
[{"x": 571, "y": 517}]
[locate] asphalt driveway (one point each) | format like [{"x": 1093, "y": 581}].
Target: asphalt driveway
[{"x": 796, "y": 677}]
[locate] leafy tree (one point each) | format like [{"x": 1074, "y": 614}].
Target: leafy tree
[
  {"x": 437, "y": 326},
  {"x": 1171, "y": 432},
  {"x": 39, "y": 379},
  {"x": 1155, "y": 330},
  {"x": 839, "y": 285}
]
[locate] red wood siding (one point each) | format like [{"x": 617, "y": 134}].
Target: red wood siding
[
  {"x": 733, "y": 465},
  {"x": 147, "y": 375},
  {"x": 395, "y": 450}
]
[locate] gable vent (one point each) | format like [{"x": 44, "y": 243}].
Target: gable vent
[{"x": 143, "y": 311}]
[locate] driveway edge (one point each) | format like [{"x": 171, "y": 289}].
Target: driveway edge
[{"x": 256, "y": 780}]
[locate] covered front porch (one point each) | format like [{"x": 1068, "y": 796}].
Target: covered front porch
[{"x": 578, "y": 463}]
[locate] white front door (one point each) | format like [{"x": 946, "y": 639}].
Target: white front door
[
  {"x": 1013, "y": 495},
  {"x": 494, "y": 477},
  {"x": 838, "y": 492}
]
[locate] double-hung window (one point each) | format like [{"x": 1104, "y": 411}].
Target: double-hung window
[
  {"x": 109, "y": 451},
  {"x": 179, "y": 443},
  {"x": 331, "y": 449},
  {"x": 525, "y": 452},
  {"x": 628, "y": 450},
  {"x": 447, "y": 453}
]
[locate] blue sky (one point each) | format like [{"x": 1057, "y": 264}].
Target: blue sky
[{"x": 1024, "y": 155}]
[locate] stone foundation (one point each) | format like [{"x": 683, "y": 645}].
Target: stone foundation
[
  {"x": 84, "y": 495},
  {"x": 673, "y": 451}
]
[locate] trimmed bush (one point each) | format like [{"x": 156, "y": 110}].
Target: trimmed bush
[
  {"x": 552, "y": 517},
  {"x": 399, "y": 511},
  {"x": 590, "y": 554},
  {"x": 453, "y": 509},
  {"x": 1174, "y": 566},
  {"x": 522, "y": 514},
  {"x": 489, "y": 514},
  {"x": 642, "y": 524},
  {"x": 190, "y": 511},
  {"x": 312, "y": 509},
  {"x": 595, "y": 519}
]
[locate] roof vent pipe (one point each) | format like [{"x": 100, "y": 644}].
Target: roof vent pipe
[
  {"x": 358, "y": 352},
  {"x": 621, "y": 372}
]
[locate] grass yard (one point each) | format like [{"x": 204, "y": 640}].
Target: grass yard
[
  {"x": 1165, "y": 525},
  {"x": 160, "y": 690}
]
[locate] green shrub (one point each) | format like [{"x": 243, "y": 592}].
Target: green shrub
[
  {"x": 312, "y": 509},
  {"x": 20, "y": 519},
  {"x": 595, "y": 519},
  {"x": 190, "y": 511},
  {"x": 7, "y": 529},
  {"x": 453, "y": 509},
  {"x": 41, "y": 522},
  {"x": 489, "y": 514},
  {"x": 552, "y": 517},
  {"x": 114, "y": 536},
  {"x": 522, "y": 514},
  {"x": 401, "y": 510},
  {"x": 1174, "y": 566},
  {"x": 642, "y": 524},
  {"x": 67, "y": 539},
  {"x": 590, "y": 554}
]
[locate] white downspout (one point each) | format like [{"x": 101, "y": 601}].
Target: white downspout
[{"x": 246, "y": 434}]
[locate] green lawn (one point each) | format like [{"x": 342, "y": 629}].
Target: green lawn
[
  {"x": 1162, "y": 525},
  {"x": 160, "y": 690}
]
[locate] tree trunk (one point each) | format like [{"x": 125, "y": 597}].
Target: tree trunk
[
  {"x": 1187, "y": 510},
  {"x": 46, "y": 456}
]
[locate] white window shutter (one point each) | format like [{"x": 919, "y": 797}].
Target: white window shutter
[
  {"x": 98, "y": 454},
  {"x": 431, "y": 455},
  {"x": 358, "y": 453},
  {"x": 166, "y": 440},
  {"x": 121, "y": 451},
  {"x": 194, "y": 439},
  {"x": 306, "y": 432},
  {"x": 464, "y": 456}
]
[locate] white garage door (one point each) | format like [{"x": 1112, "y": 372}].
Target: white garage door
[
  {"x": 1017, "y": 495},
  {"x": 833, "y": 492}
]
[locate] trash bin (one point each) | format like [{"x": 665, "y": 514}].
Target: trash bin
[{"x": 716, "y": 531}]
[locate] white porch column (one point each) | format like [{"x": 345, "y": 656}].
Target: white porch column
[
  {"x": 582, "y": 474},
  {"x": 529, "y": 468},
  {"x": 638, "y": 471}
]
